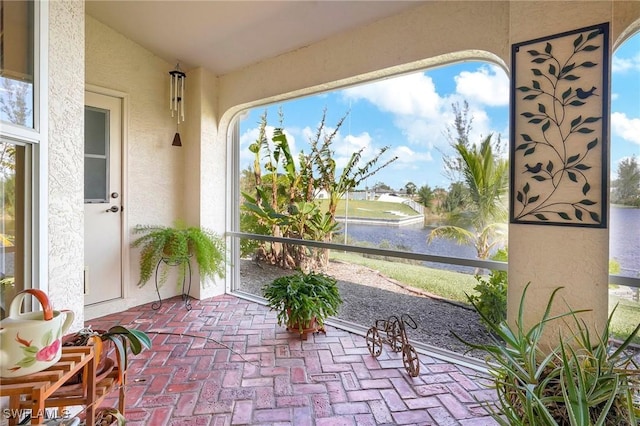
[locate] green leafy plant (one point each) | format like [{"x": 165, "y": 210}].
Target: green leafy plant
[
  {"x": 492, "y": 292},
  {"x": 300, "y": 298},
  {"x": 174, "y": 246},
  {"x": 282, "y": 192},
  {"x": 582, "y": 381},
  {"x": 123, "y": 339}
]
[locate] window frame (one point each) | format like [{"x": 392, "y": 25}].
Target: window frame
[{"x": 35, "y": 140}]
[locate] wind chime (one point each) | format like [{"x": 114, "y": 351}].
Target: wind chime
[{"x": 176, "y": 99}]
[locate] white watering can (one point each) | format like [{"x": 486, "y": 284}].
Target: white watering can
[{"x": 31, "y": 342}]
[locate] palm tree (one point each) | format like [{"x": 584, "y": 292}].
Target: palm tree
[
  {"x": 482, "y": 223},
  {"x": 425, "y": 195}
]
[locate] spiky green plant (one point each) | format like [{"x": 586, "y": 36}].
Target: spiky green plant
[
  {"x": 583, "y": 381},
  {"x": 164, "y": 246}
]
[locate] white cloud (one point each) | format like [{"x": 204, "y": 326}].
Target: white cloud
[
  {"x": 488, "y": 85},
  {"x": 623, "y": 65},
  {"x": 408, "y": 156},
  {"x": 422, "y": 115},
  {"x": 625, "y": 127},
  {"x": 412, "y": 95}
]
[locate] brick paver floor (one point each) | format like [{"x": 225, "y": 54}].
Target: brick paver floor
[{"x": 272, "y": 377}]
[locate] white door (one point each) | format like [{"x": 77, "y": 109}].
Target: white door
[{"x": 102, "y": 198}]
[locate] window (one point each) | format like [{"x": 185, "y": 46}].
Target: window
[
  {"x": 22, "y": 132},
  {"x": 16, "y": 62},
  {"x": 291, "y": 157},
  {"x": 14, "y": 229},
  {"x": 624, "y": 229}
]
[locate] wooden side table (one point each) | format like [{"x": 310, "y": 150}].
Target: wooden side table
[{"x": 35, "y": 391}]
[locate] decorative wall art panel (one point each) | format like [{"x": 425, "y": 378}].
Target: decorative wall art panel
[{"x": 559, "y": 121}]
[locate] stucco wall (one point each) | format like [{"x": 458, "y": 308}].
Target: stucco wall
[
  {"x": 155, "y": 175},
  {"x": 65, "y": 162},
  {"x": 554, "y": 256},
  {"x": 205, "y": 176}
]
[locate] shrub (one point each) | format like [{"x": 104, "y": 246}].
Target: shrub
[{"x": 491, "y": 300}]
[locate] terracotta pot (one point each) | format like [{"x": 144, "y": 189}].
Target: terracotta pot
[
  {"x": 105, "y": 364},
  {"x": 311, "y": 327}
]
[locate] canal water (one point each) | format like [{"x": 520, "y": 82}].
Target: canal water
[{"x": 624, "y": 237}]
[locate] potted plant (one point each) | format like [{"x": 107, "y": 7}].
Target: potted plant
[
  {"x": 581, "y": 381},
  {"x": 165, "y": 245},
  {"x": 123, "y": 339},
  {"x": 109, "y": 416},
  {"x": 303, "y": 300}
]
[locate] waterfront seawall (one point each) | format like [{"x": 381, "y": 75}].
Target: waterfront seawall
[{"x": 409, "y": 220}]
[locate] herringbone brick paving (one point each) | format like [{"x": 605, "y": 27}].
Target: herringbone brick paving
[{"x": 272, "y": 377}]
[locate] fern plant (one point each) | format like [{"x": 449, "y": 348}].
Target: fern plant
[
  {"x": 302, "y": 297},
  {"x": 164, "y": 246}
]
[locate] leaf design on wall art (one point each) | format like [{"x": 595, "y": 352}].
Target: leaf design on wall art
[{"x": 557, "y": 150}]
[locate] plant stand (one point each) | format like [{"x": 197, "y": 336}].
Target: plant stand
[
  {"x": 38, "y": 392},
  {"x": 186, "y": 284}
]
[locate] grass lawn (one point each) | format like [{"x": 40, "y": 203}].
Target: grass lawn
[
  {"x": 454, "y": 285},
  {"x": 626, "y": 317},
  {"x": 371, "y": 209},
  {"x": 451, "y": 285}
]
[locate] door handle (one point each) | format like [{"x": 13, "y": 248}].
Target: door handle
[{"x": 113, "y": 209}]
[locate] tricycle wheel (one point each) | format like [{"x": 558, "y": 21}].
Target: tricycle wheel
[
  {"x": 374, "y": 342},
  {"x": 410, "y": 360}
]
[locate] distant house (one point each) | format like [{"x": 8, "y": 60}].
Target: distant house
[
  {"x": 322, "y": 195},
  {"x": 392, "y": 198}
]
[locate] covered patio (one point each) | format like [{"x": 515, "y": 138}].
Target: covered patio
[
  {"x": 115, "y": 57},
  {"x": 227, "y": 362}
]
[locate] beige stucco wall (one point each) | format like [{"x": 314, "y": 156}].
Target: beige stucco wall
[
  {"x": 205, "y": 176},
  {"x": 552, "y": 256},
  {"x": 154, "y": 177},
  {"x": 65, "y": 156}
]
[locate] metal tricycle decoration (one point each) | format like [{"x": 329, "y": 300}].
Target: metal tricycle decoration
[{"x": 396, "y": 337}]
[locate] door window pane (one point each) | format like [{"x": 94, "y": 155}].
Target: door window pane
[
  {"x": 96, "y": 122},
  {"x": 95, "y": 180},
  {"x": 96, "y": 159},
  {"x": 16, "y": 62}
]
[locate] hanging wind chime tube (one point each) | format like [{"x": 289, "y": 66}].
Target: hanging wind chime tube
[{"x": 176, "y": 99}]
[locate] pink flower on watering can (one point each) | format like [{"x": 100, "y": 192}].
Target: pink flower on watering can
[
  {"x": 48, "y": 352},
  {"x": 32, "y": 354}
]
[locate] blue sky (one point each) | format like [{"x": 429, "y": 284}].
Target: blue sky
[{"x": 411, "y": 113}]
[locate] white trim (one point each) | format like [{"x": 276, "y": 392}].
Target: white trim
[
  {"x": 40, "y": 259},
  {"x": 20, "y": 133},
  {"x": 233, "y": 201}
]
